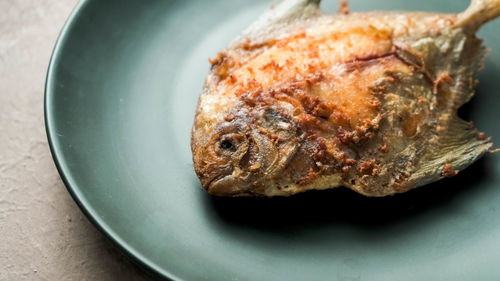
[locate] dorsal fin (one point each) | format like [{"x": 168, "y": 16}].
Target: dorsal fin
[
  {"x": 279, "y": 19},
  {"x": 289, "y": 9}
]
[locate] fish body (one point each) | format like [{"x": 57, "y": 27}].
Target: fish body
[{"x": 304, "y": 100}]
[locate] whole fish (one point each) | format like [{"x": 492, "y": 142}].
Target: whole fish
[{"x": 305, "y": 100}]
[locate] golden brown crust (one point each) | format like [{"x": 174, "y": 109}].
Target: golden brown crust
[
  {"x": 368, "y": 104},
  {"x": 448, "y": 171}
]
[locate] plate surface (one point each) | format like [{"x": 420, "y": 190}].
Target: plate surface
[{"x": 121, "y": 93}]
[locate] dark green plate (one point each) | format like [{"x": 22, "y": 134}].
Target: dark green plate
[{"x": 121, "y": 93}]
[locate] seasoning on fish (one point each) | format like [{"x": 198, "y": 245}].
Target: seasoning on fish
[{"x": 304, "y": 100}]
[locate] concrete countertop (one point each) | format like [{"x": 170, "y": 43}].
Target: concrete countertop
[{"x": 43, "y": 234}]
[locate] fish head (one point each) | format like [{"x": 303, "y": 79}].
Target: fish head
[{"x": 244, "y": 151}]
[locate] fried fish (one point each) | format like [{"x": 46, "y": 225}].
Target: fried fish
[{"x": 305, "y": 100}]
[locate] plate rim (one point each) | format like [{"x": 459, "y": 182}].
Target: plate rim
[{"x": 64, "y": 171}]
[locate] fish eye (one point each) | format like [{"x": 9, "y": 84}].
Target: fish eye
[
  {"x": 229, "y": 143},
  {"x": 226, "y": 145}
]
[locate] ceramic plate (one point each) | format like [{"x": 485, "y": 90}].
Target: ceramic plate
[{"x": 121, "y": 94}]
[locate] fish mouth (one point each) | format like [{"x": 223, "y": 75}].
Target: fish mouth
[
  {"x": 212, "y": 176},
  {"x": 225, "y": 185},
  {"x": 213, "y": 181}
]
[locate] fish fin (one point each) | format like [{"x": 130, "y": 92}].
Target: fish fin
[
  {"x": 460, "y": 62},
  {"x": 478, "y": 13},
  {"x": 343, "y": 7},
  {"x": 288, "y": 10},
  {"x": 457, "y": 148},
  {"x": 278, "y": 20}
]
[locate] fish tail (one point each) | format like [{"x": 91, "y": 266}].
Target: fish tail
[
  {"x": 478, "y": 13},
  {"x": 458, "y": 147}
]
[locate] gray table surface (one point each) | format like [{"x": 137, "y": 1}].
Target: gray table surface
[{"x": 43, "y": 234}]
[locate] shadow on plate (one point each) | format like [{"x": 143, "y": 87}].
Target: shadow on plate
[{"x": 344, "y": 205}]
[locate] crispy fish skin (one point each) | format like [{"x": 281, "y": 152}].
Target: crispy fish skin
[{"x": 303, "y": 100}]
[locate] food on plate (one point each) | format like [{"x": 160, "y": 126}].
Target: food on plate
[{"x": 305, "y": 100}]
